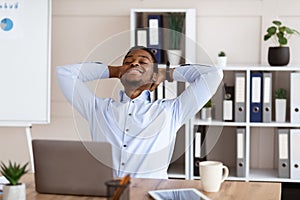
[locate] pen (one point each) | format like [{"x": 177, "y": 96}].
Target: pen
[{"x": 124, "y": 181}]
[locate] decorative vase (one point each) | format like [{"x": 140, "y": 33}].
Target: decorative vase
[
  {"x": 279, "y": 56},
  {"x": 174, "y": 56},
  {"x": 14, "y": 192},
  {"x": 280, "y": 110},
  {"x": 221, "y": 61}
]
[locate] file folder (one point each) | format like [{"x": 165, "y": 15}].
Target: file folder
[
  {"x": 295, "y": 97},
  {"x": 267, "y": 97},
  {"x": 199, "y": 149},
  {"x": 141, "y": 37},
  {"x": 256, "y": 97},
  {"x": 240, "y": 97},
  {"x": 283, "y": 153},
  {"x": 295, "y": 153},
  {"x": 228, "y": 104},
  {"x": 241, "y": 152},
  {"x": 155, "y": 36}
]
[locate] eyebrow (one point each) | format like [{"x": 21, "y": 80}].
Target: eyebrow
[{"x": 142, "y": 56}]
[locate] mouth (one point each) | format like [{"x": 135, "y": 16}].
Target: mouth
[{"x": 135, "y": 70}]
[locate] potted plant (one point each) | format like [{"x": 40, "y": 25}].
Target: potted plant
[
  {"x": 176, "y": 25},
  {"x": 280, "y": 105},
  {"x": 206, "y": 111},
  {"x": 279, "y": 55},
  {"x": 14, "y": 189},
  {"x": 222, "y": 59}
]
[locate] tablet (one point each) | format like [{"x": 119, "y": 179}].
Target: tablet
[{"x": 178, "y": 194}]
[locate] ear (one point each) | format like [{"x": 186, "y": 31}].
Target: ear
[{"x": 154, "y": 77}]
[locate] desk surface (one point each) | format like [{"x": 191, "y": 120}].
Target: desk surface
[{"x": 140, "y": 187}]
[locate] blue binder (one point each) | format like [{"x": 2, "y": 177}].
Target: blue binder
[
  {"x": 155, "y": 36},
  {"x": 256, "y": 96}
]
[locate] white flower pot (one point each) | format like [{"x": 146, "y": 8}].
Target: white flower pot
[
  {"x": 14, "y": 192},
  {"x": 221, "y": 61},
  {"x": 206, "y": 113},
  {"x": 174, "y": 56},
  {"x": 280, "y": 110}
]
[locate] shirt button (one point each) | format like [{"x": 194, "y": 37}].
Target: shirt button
[
  {"x": 132, "y": 101},
  {"x": 122, "y": 164},
  {"x": 127, "y": 130},
  {"x": 124, "y": 145},
  {"x": 129, "y": 114}
]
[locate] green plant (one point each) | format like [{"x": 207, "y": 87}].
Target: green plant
[
  {"x": 279, "y": 33},
  {"x": 221, "y": 54},
  {"x": 176, "y": 22},
  {"x": 208, "y": 104},
  {"x": 280, "y": 93},
  {"x": 13, "y": 172}
]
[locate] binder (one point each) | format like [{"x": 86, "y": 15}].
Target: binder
[
  {"x": 240, "y": 97},
  {"x": 283, "y": 153},
  {"x": 241, "y": 152},
  {"x": 295, "y": 97},
  {"x": 295, "y": 153},
  {"x": 228, "y": 104},
  {"x": 199, "y": 149},
  {"x": 256, "y": 97},
  {"x": 155, "y": 36},
  {"x": 267, "y": 97},
  {"x": 141, "y": 37}
]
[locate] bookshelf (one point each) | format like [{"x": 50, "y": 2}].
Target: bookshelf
[
  {"x": 261, "y": 144},
  {"x": 180, "y": 164}
]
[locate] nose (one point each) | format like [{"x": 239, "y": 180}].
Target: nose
[{"x": 134, "y": 64}]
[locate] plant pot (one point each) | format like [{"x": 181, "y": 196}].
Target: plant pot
[
  {"x": 280, "y": 110},
  {"x": 221, "y": 61},
  {"x": 174, "y": 56},
  {"x": 206, "y": 113},
  {"x": 279, "y": 56},
  {"x": 14, "y": 192}
]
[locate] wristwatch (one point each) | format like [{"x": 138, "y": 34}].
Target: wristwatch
[{"x": 168, "y": 77}]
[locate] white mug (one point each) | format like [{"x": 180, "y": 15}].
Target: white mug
[{"x": 212, "y": 174}]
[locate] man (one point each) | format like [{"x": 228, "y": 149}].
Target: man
[{"x": 141, "y": 131}]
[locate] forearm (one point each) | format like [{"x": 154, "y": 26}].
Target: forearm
[
  {"x": 204, "y": 82},
  {"x": 114, "y": 71},
  {"x": 71, "y": 78}
]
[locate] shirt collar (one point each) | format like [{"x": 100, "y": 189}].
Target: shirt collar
[{"x": 145, "y": 95}]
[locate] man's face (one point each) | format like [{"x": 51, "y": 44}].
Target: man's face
[{"x": 137, "y": 69}]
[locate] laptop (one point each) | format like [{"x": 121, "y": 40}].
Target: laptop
[{"x": 72, "y": 167}]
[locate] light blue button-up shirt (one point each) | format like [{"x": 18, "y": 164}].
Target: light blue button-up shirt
[{"x": 142, "y": 132}]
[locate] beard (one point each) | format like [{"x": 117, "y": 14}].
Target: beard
[{"x": 134, "y": 84}]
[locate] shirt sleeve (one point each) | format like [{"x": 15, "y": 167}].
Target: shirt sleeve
[
  {"x": 72, "y": 78},
  {"x": 203, "y": 83}
]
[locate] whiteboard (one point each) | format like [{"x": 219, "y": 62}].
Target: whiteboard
[{"x": 25, "y": 61}]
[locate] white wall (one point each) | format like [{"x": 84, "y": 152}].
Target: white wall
[{"x": 78, "y": 26}]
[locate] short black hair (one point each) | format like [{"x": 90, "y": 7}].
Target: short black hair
[{"x": 147, "y": 50}]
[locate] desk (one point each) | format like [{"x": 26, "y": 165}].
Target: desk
[{"x": 139, "y": 188}]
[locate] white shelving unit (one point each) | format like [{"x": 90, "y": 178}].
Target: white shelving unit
[
  {"x": 180, "y": 167},
  {"x": 261, "y": 144},
  {"x": 261, "y": 161}
]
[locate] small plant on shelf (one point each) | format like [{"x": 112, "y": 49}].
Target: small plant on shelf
[
  {"x": 279, "y": 55},
  {"x": 13, "y": 172},
  {"x": 279, "y": 33},
  {"x": 280, "y": 93},
  {"x": 280, "y": 105},
  {"x": 176, "y": 25},
  {"x": 222, "y": 59},
  {"x": 222, "y": 54},
  {"x": 208, "y": 104}
]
